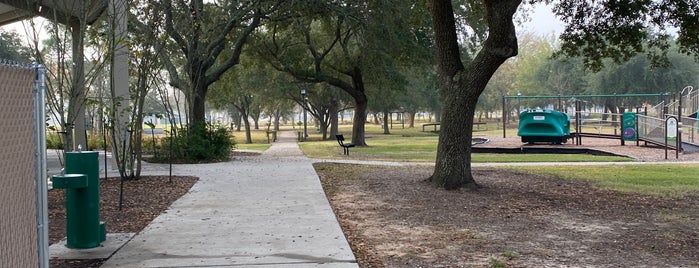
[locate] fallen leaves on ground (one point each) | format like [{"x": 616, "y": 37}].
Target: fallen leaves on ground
[{"x": 392, "y": 217}]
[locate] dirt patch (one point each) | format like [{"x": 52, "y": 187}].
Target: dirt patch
[
  {"x": 143, "y": 200},
  {"x": 393, "y": 218}
]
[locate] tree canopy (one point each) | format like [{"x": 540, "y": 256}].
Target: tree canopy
[
  {"x": 12, "y": 48},
  {"x": 618, "y": 30},
  {"x": 201, "y": 31},
  {"x": 355, "y": 46}
]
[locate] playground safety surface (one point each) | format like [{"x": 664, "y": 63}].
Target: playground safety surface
[{"x": 641, "y": 152}]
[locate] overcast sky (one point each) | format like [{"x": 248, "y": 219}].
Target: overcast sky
[{"x": 543, "y": 21}]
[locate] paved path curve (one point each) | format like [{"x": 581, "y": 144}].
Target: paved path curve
[{"x": 267, "y": 211}]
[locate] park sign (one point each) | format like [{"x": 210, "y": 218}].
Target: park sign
[{"x": 671, "y": 127}]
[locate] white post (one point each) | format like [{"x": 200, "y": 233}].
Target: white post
[{"x": 119, "y": 75}]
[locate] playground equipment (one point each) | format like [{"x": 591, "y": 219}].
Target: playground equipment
[
  {"x": 652, "y": 124},
  {"x": 691, "y": 122},
  {"x": 625, "y": 117},
  {"x": 543, "y": 125},
  {"x": 628, "y": 127},
  {"x": 591, "y": 115}
]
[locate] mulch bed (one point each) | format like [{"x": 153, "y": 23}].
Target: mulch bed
[{"x": 143, "y": 200}]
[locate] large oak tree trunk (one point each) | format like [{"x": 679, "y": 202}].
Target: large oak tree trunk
[
  {"x": 359, "y": 120},
  {"x": 411, "y": 118},
  {"x": 453, "y": 164},
  {"x": 197, "y": 103},
  {"x": 460, "y": 85},
  {"x": 197, "y": 93},
  {"x": 361, "y": 102},
  {"x": 333, "y": 110},
  {"x": 334, "y": 119},
  {"x": 386, "y": 118}
]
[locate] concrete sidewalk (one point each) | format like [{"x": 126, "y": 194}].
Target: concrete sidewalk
[{"x": 267, "y": 211}]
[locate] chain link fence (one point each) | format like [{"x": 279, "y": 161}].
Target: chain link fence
[{"x": 23, "y": 232}]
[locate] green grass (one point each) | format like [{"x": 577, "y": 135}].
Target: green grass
[
  {"x": 253, "y": 146},
  {"x": 413, "y": 145},
  {"x": 666, "y": 180},
  {"x": 383, "y": 147},
  {"x": 259, "y": 140},
  {"x": 669, "y": 180}
]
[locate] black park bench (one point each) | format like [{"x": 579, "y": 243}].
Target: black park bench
[{"x": 345, "y": 146}]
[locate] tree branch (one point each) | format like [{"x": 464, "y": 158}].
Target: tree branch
[
  {"x": 216, "y": 73},
  {"x": 175, "y": 80},
  {"x": 170, "y": 28}
]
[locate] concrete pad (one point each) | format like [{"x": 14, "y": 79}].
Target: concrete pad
[
  {"x": 113, "y": 243},
  {"x": 266, "y": 211}
]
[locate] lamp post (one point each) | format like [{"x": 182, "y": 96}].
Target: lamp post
[
  {"x": 519, "y": 103},
  {"x": 305, "y": 128}
]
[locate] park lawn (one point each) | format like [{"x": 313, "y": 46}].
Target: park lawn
[
  {"x": 253, "y": 146},
  {"x": 416, "y": 146},
  {"x": 667, "y": 180},
  {"x": 259, "y": 140}
]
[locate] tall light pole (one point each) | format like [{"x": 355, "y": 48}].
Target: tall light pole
[
  {"x": 305, "y": 128},
  {"x": 519, "y": 104}
]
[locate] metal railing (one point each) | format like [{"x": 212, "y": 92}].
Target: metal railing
[
  {"x": 657, "y": 111},
  {"x": 690, "y": 130},
  {"x": 650, "y": 128},
  {"x": 690, "y": 106}
]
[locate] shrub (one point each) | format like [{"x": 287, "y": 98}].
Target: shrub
[
  {"x": 200, "y": 143},
  {"x": 96, "y": 142},
  {"x": 54, "y": 141}
]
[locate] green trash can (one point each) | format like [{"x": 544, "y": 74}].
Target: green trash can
[{"x": 81, "y": 182}]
